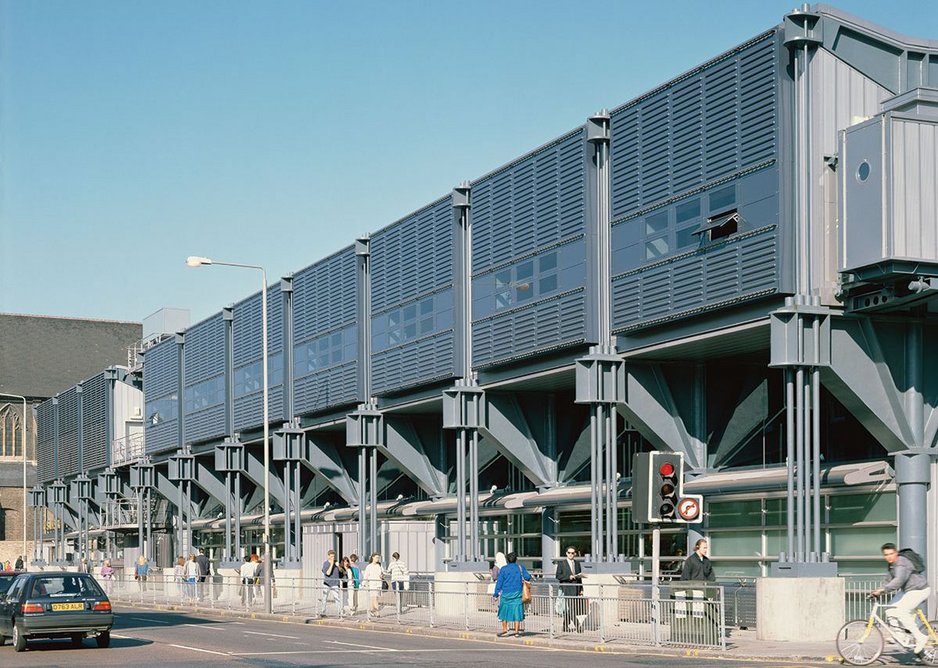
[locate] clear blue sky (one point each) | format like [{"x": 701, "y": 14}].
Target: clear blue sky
[{"x": 133, "y": 134}]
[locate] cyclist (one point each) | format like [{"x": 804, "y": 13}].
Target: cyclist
[{"x": 903, "y": 577}]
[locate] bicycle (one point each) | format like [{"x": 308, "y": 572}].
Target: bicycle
[{"x": 860, "y": 641}]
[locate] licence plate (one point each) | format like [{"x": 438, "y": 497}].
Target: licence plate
[{"x": 62, "y": 607}]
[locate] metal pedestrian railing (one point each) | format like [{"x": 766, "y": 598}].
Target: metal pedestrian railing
[{"x": 611, "y": 613}]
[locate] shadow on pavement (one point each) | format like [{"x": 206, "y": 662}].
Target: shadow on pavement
[{"x": 154, "y": 619}]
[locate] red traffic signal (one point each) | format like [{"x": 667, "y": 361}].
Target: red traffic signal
[{"x": 666, "y": 470}]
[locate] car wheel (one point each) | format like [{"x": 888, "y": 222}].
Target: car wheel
[
  {"x": 76, "y": 639},
  {"x": 104, "y": 639},
  {"x": 19, "y": 640},
  {"x": 3, "y": 641}
]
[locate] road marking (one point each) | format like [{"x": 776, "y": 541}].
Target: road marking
[
  {"x": 206, "y": 627},
  {"x": 150, "y": 619},
  {"x": 199, "y": 649},
  {"x": 352, "y": 644},
  {"x": 272, "y": 635}
]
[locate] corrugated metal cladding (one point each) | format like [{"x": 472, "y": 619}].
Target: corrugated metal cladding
[
  {"x": 412, "y": 302},
  {"x": 45, "y": 441},
  {"x": 68, "y": 432},
  {"x": 96, "y": 449},
  {"x": 248, "y": 355},
  {"x": 160, "y": 393},
  {"x": 528, "y": 258},
  {"x": 714, "y": 122},
  {"x": 325, "y": 333},
  {"x": 204, "y": 394}
]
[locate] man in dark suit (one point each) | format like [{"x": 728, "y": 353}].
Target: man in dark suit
[
  {"x": 569, "y": 575},
  {"x": 697, "y": 566}
]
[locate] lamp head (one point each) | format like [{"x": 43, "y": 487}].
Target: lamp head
[{"x": 196, "y": 261}]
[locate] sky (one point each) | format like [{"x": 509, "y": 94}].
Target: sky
[{"x": 134, "y": 134}]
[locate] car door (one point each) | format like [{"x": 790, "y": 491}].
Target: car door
[{"x": 8, "y": 605}]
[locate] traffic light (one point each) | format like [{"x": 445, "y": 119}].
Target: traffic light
[{"x": 658, "y": 490}]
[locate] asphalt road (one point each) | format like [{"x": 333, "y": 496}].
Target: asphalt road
[{"x": 160, "y": 638}]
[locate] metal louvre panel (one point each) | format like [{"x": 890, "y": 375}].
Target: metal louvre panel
[
  {"x": 160, "y": 369},
  {"x": 94, "y": 423},
  {"x": 205, "y": 350},
  {"x": 249, "y": 409},
  {"x": 248, "y": 349},
  {"x": 324, "y": 296},
  {"x": 160, "y": 437},
  {"x": 68, "y": 432},
  {"x": 414, "y": 256},
  {"x": 739, "y": 269},
  {"x": 45, "y": 441},
  {"x": 332, "y": 387},
  {"x": 246, "y": 327},
  {"x": 550, "y": 324},
  {"x": 703, "y": 126},
  {"x": 535, "y": 201},
  {"x": 422, "y": 361}
]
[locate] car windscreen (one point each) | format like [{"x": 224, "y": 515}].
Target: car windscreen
[{"x": 64, "y": 586}]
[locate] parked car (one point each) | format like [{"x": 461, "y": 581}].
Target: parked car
[
  {"x": 6, "y": 579},
  {"x": 55, "y": 605}
]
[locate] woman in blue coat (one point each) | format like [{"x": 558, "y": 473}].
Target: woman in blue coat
[{"x": 508, "y": 594}]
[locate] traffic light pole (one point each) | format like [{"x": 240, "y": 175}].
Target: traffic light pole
[{"x": 655, "y": 580}]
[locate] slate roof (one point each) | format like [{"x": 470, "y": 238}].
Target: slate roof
[{"x": 41, "y": 356}]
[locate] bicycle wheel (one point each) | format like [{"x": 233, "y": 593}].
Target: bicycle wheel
[
  {"x": 857, "y": 645},
  {"x": 929, "y": 655}
]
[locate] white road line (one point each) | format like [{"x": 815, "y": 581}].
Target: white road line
[
  {"x": 352, "y": 644},
  {"x": 199, "y": 649},
  {"x": 206, "y": 627},
  {"x": 378, "y": 651},
  {"x": 272, "y": 635},
  {"x": 149, "y": 619}
]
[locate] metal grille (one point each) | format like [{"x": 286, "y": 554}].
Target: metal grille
[
  {"x": 548, "y": 324},
  {"x": 45, "y": 441},
  {"x": 246, "y": 327},
  {"x": 708, "y": 124},
  {"x": 68, "y": 432},
  {"x": 332, "y": 387},
  {"x": 94, "y": 423},
  {"x": 205, "y": 350},
  {"x": 742, "y": 268},
  {"x": 425, "y": 360},
  {"x": 412, "y": 257},
  {"x": 161, "y": 372},
  {"x": 533, "y": 202},
  {"x": 324, "y": 296}
]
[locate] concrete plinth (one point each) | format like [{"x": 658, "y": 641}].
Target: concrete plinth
[
  {"x": 799, "y": 609},
  {"x": 602, "y": 583}
]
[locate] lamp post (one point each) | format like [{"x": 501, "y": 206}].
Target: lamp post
[
  {"x": 195, "y": 261},
  {"x": 23, "y": 429}
]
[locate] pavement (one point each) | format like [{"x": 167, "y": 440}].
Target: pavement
[{"x": 743, "y": 646}]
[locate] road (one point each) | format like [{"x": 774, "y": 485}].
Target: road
[{"x": 160, "y": 638}]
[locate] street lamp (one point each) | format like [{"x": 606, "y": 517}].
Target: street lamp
[
  {"x": 196, "y": 261},
  {"x": 23, "y": 429}
]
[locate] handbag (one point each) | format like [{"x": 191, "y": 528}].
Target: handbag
[{"x": 525, "y": 589}]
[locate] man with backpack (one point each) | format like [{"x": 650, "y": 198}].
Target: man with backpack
[{"x": 906, "y": 574}]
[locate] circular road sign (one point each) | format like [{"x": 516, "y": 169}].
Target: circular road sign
[{"x": 688, "y": 509}]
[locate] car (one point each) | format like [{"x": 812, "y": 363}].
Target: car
[
  {"x": 6, "y": 579},
  {"x": 55, "y": 605}
]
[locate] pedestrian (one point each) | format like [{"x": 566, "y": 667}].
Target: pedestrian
[
  {"x": 373, "y": 578},
  {"x": 204, "y": 570},
  {"x": 19, "y": 563},
  {"x": 697, "y": 566},
  {"x": 141, "y": 571},
  {"x": 400, "y": 578},
  {"x": 508, "y": 592},
  {"x": 179, "y": 575},
  {"x": 107, "y": 574},
  {"x": 355, "y": 581},
  {"x": 83, "y": 566},
  {"x": 500, "y": 563},
  {"x": 192, "y": 577},
  {"x": 907, "y": 575},
  {"x": 332, "y": 574},
  {"x": 570, "y": 576},
  {"x": 8, "y": 565},
  {"x": 346, "y": 576},
  {"x": 248, "y": 573}
]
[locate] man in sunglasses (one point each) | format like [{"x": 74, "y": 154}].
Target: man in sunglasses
[{"x": 569, "y": 575}]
